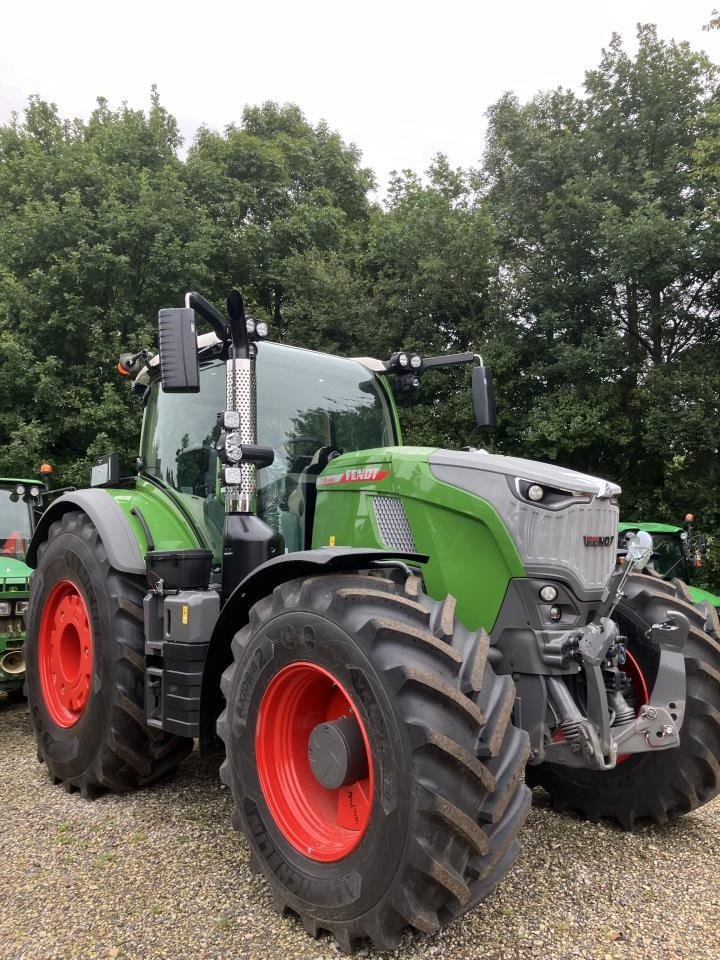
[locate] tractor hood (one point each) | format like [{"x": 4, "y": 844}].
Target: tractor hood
[
  {"x": 13, "y": 572},
  {"x": 569, "y": 530},
  {"x": 535, "y": 471}
]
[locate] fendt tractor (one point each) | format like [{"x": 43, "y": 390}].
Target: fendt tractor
[
  {"x": 19, "y": 500},
  {"x": 677, "y": 557},
  {"x": 383, "y": 639}
]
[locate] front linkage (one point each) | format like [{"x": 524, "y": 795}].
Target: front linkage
[{"x": 610, "y": 727}]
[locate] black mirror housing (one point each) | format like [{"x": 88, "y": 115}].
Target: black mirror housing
[
  {"x": 483, "y": 395},
  {"x": 179, "y": 370}
]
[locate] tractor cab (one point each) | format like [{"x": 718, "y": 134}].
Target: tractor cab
[
  {"x": 311, "y": 407},
  {"x": 15, "y": 518}
]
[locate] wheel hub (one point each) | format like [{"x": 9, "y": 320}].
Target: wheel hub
[{"x": 337, "y": 753}]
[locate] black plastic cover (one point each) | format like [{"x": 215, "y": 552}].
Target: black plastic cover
[{"x": 178, "y": 569}]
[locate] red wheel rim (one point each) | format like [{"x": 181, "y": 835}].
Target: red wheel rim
[
  {"x": 639, "y": 686},
  {"x": 65, "y": 652},
  {"x": 640, "y": 694},
  {"x": 321, "y": 823},
  {"x": 637, "y": 680}
]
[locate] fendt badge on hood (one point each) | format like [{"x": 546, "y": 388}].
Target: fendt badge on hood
[{"x": 591, "y": 541}]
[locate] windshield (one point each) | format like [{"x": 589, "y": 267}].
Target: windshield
[
  {"x": 14, "y": 524},
  {"x": 668, "y": 555},
  {"x": 306, "y": 402}
]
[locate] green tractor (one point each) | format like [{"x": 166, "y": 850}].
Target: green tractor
[
  {"x": 19, "y": 500},
  {"x": 386, "y": 641},
  {"x": 677, "y": 556}
]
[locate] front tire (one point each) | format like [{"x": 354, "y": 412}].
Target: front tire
[
  {"x": 667, "y": 783},
  {"x": 85, "y": 668},
  {"x": 433, "y": 821}
]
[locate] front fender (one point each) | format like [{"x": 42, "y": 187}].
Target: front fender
[{"x": 261, "y": 583}]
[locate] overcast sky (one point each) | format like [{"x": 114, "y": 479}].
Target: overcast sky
[{"x": 403, "y": 80}]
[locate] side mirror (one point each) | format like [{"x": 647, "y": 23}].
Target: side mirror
[
  {"x": 179, "y": 369},
  {"x": 483, "y": 396}
]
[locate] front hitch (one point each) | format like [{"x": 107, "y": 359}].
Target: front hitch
[
  {"x": 589, "y": 740},
  {"x": 660, "y": 720}
]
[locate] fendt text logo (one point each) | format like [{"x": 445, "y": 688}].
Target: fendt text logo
[
  {"x": 354, "y": 476},
  {"x": 591, "y": 541}
]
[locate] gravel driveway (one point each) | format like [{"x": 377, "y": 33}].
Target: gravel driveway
[{"x": 161, "y": 874}]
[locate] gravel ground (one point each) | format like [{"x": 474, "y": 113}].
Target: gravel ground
[{"x": 161, "y": 874}]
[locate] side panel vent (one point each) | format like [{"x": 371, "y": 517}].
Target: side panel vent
[{"x": 393, "y": 524}]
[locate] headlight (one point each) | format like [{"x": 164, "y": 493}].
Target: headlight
[
  {"x": 34, "y": 491},
  {"x": 19, "y": 489},
  {"x": 535, "y": 492},
  {"x": 548, "y": 593},
  {"x": 21, "y": 607},
  {"x": 5, "y": 609}
]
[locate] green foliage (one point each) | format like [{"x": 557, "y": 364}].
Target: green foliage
[
  {"x": 582, "y": 260},
  {"x": 288, "y": 203},
  {"x": 97, "y": 227}
]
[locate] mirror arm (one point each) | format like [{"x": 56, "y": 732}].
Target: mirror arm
[
  {"x": 447, "y": 360},
  {"x": 207, "y": 311}
]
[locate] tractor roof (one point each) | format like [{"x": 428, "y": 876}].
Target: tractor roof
[
  {"x": 207, "y": 339},
  {"x": 13, "y": 481}
]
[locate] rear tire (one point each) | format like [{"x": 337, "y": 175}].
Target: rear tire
[
  {"x": 99, "y": 741},
  {"x": 665, "y": 784},
  {"x": 441, "y": 826}
]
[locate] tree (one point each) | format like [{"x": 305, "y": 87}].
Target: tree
[
  {"x": 609, "y": 267},
  {"x": 288, "y": 202},
  {"x": 430, "y": 265},
  {"x": 97, "y": 230}
]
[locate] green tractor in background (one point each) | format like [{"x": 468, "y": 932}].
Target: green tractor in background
[
  {"x": 19, "y": 501},
  {"x": 385, "y": 641},
  {"x": 677, "y": 556}
]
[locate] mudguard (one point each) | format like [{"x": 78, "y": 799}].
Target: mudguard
[
  {"x": 115, "y": 531},
  {"x": 260, "y": 583}
]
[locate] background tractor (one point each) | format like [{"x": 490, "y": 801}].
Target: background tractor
[
  {"x": 19, "y": 500},
  {"x": 677, "y": 558},
  {"x": 379, "y": 637}
]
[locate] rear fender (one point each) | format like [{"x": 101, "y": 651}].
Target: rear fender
[
  {"x": 112, "y": 525},
  {"x": 261, "y": 583}
]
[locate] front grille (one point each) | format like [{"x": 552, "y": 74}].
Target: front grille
[
  {"x": 557, "y": 537},
  {"x": 393, "y": 524}
]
